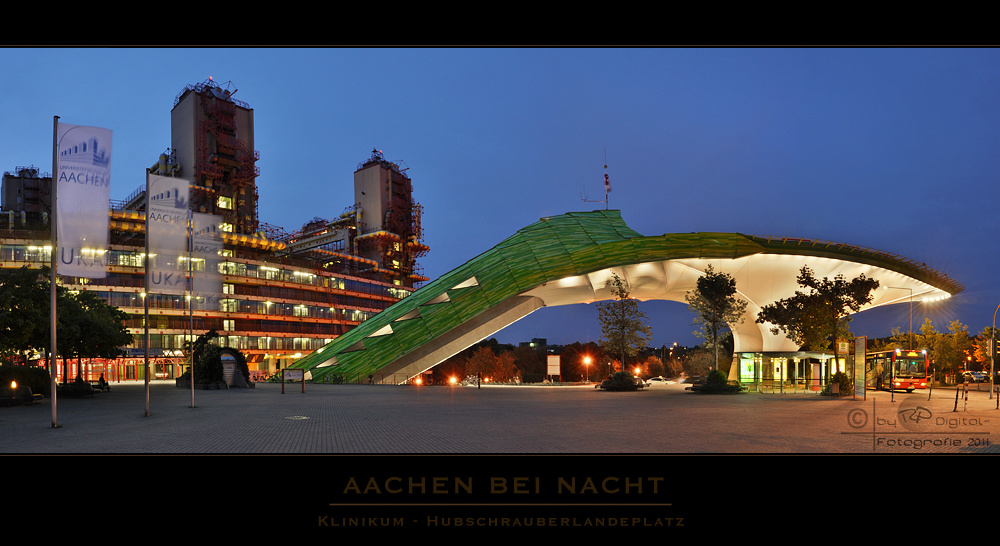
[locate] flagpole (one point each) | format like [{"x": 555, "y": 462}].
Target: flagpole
[
  {"x": 191, "y": 296},
  {"x": 145, "y": 287},
  {"x": 52, "y": 268}
]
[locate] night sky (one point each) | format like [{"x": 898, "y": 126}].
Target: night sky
[{"x": 892, "y": 149}]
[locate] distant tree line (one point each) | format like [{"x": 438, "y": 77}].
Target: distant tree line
[{"x": 507, "y": 363}]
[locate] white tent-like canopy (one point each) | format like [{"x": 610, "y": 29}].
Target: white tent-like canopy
[{"x": 761, "y": 279}]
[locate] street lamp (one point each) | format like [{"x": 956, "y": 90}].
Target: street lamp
[
  {"x": 910, "y": 337},
  {"x": 993, "y": 349},
  {"x": 586, "y": 366}
]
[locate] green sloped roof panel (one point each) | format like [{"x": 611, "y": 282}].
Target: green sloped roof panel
[
  {"x": 496, "y": 279},
  {"x": 469, "y": 302}
]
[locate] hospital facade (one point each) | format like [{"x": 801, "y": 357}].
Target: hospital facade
[{"x": 286, "y": 293}]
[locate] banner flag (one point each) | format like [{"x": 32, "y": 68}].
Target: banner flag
[
  {"x": 83, "y": 191},
  {"x": 166, "y": 227},
  {"x": 206, "y": 253}
]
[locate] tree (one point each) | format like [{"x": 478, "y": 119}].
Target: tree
[
  {"x": 624, "y": 328},
  {"x": 574, "y": 363},
  {"x": 961, "y": 343},
  {"x": 88, "y": 327},
  {"x": 948, "y": 350},
  {"x": 528, "y": 359},
  {"x": 933, "y": 341},
  {"x": 24, "y": 311},
  {"x": 653, "y": 367},
  {"x": 983, "y": 346},
  {"x": 698, "y": 362},
  {"x": 818, "y": 318},
  {"x": 499, "y": 368},
  {"x": 673, "y": 367},
  {"x": 101, "y": 328},
  {"x": 716, "y": 306}
]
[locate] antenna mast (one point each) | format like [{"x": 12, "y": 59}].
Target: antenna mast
[{"x": 607, "y": 185}]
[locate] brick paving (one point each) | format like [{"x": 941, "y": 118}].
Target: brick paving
[{"x": 365, "y": 419}]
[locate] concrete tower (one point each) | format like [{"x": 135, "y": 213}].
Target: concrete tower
[
  {"x": 388, "y": 220},
  {"x": 212, "y": 139}
]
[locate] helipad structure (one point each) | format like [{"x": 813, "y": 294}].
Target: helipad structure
[{"x": 570, "y": 259}]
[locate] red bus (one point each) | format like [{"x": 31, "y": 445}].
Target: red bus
[{"x": 897, "y": 370}]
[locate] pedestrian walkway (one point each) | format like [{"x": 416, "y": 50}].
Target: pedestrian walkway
[{"x": 373, "y": 419}]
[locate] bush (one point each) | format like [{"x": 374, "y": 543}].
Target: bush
[
  {"x": 622, "y": 381},
  {"x": 716, "y": 383},
  {"x": 716, "y": 378},
  {"x": 846, "y": 384},
  {"x": 532, "y": 377},
  {"x": 33, "y": 377}
]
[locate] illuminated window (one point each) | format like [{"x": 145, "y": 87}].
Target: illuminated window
[
  {"x": 226, "y": 226},
  {"x": 225, "y": 202}
]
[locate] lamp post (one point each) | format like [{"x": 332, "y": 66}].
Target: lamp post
[
  {"x": 909, "y": 338},
  {"x": 586, "y": 366},
  {"x": 993, "y": 349}
]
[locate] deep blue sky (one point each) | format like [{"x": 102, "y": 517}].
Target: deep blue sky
[{"x": 893, "y": 149}]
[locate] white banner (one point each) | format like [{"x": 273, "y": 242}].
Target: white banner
[
  {"x": 166, "y": 227},
  {"x": 206, "y": 281},
  {"x": 83, "y": 189}
]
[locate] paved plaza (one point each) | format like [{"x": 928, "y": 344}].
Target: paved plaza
[{"x": 372, "y": 419}]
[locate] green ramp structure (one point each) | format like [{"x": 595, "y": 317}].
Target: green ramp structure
[{"x": 571, "y": 258}]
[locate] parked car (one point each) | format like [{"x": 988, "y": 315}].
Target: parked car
[
  {"x": 658, "y": 382},
  {"x": 607, "y": 384},
  {"x": 974, "y": 377}
]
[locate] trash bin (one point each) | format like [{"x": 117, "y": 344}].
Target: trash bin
[{"x": 835, "y": 389}]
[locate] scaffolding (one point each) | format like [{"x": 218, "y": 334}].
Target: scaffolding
[{"x": 224, "y": 162}]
